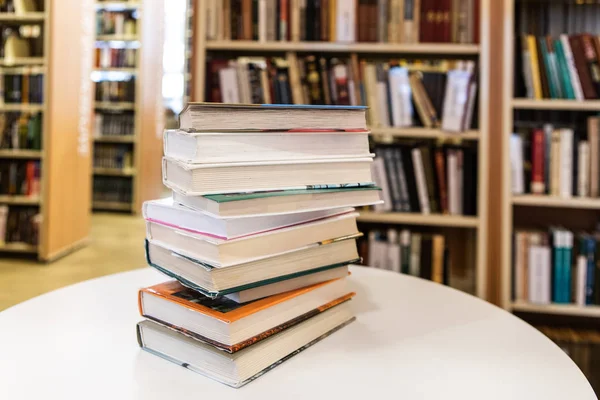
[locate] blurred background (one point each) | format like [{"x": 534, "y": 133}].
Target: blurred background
[{"x": 500, "y": 97}]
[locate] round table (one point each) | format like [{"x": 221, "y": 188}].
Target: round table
[{"x": 413, "y": 339}]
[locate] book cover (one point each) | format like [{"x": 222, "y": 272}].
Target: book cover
[
  {"x": 537, "y": 159},
  {"x": 584, "y": 62},
  {"x": 229, "y": 311}
]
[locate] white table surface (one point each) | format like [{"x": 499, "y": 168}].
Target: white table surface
[{"x": 412, "y": 340}]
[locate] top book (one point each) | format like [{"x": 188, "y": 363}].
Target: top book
[{"x": 261, "y": 117}]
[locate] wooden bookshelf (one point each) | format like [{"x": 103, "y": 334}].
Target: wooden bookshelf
[
  {"x": 454, "y": 221},
  {"x": 33, "y": 108},
  {"x": 332, "y": 47},
  {"x": 425, "y": 133},
  {"x": 25, "y": 17},
  {"x": 20, "y": 200},
  {"x": 556, "y": 202},
  {"x": 20, "y": 154},
  {"x": 204, "y": 49},
  {"x": 21, "y": 248},
  {"x": 7, "y": 62},
  {"x": 554, "y": 104},
  {"x": 145, "y": 139},
  {"x": 557, "y": 309}
]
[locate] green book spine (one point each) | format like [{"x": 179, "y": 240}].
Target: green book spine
[
  {"x": 564, "y": 70},
  {"x": 546, "y": 59}
]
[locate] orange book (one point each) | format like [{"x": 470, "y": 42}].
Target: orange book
[{"x": 307, "y": 302}]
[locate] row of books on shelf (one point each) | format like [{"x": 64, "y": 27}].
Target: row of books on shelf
[
  {"x": 347, "y": 21},
  {"x": 20, "y": 178},
  {"x": 114, "y": 123},
  {"x": 116, "y": 91},
  {"x": 117, "y": 156},
  {"x": 407, "y": 252},
  {"x": 21, "y": 6},
  {"x": 562, "y": 162},
  {"x": 21, "y": 131},
  {"x": 425, "y": 178},
  {"x": 563, "y": 67},
  {"x": 114, "y": 188},
  {"x": 23, "y": 88},
  {"x": 434, "y": 94},
  {"x": 556, "y": 266},
  {"x": 583, "y": 346},
  {"x": 116, "y": 22},
  {"x": 19, "y": 224},
  {"x": 110, "y": 57}
]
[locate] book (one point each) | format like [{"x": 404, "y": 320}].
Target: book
[
  {"x": 215, "y": 117},
  {"x": 168, "y": 212},
  {"x": 233, "y": 326},
  {"x": 216, "y": 147},
  {"x": 203, "y": 179},
  {"x": 237, "y": 205},
  {"x": 260, "y": 358},
  {"x": 268, "y": 273}
]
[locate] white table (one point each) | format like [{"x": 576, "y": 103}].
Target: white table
[{"x": 412, "y": 340}]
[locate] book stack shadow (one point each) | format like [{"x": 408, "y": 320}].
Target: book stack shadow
[{"x": 257, "y": 237}]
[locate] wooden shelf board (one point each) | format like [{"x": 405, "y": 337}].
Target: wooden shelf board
[
  {"x": 25, "y": 17},
  {"x": 114, "y": 171},
  {"x": 7, "y": 62},
  {"x": 106, "y": 105},
  {"x": 558, "y": 309},
  {"x": 111, "y": 205},
  {"x": 548, "y": 104},
  {"x": 117, "y": 38},
  {"x": 417, "y": 48},
  {"x": 19, "y": 200},
  {"x": 117, "y": 5},
  {"x": 22, "y": 107},
  {"x": 127, "y": 70},
  {"x": 457, "y": 221},
  {"x": 426, "y": 133},
  {"x": 115, "y": 139},
  {"x": 557, "y": 202},
  {"x": 18, "y": 153},
  {"x": 18, "y": 248}
]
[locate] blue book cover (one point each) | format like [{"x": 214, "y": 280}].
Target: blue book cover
[
  {"x": 590, "y": 247},
  {"x": 567, "y": 266},
  {"x": 557, "y": 266}
]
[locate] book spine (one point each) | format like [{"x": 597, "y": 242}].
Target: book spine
[
  {"x": 516, "y": 164},
  {"x": 555, "y": 163},
  {"x": 324, "y": 21},
  {"x": 593, "y": 125},
  {"x": 420, "y": 179},
  {"x": 405, "y": 251},
  {"x": 567, "y": 266},
  {"x": 563, "y": 69},
  {"x": 441, "y": 173},
  {"x": 583, "y": 177},
  {"x": 263, "y": 23},
  {"x": 381, "y": 179},
  {"x": 429, "y": 178},
  {"x": 535, "y": 67},
  {"x": 415, "y": 254},
  {"x": 246, "y": 20},
  {"x": 393, "y": 21},
  {"x": 553, "y": 69},
  {"x": 557, "y": 257},
  {"x": 548, "y": 129},
  {"x": 437, "y": 274},
  {"x": 393, "y": 262},
  {"x": 590, "y": 246},
  {"x": 452, "y": 179},
  {"x": 537, "y": 158},
  {"x": 333, "y": 20},
  {"x": 382, "y": 12},
  {"x": 571, "y": 67},
  {"x": 526, "y": 66},
  {"x": 346, "y": 21},
  {"x": 520, "y": 263},
  {"x": 283, "y": 20},
  {"x": 294, "y": 15},
  {"x": 405, "y": 202},
  {"x": 566, "y": 163},
  {"x": 392, "y": 173},
  {"x": 580, "y": 281},
  {"x": 584, "y": 56}
]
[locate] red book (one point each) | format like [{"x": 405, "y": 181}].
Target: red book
[
  {"x": 537, "y": 162},
  {"x": 425, "y": 26},
  {"x": 476, "y": 22},
  {"x": 30, "y": 176},
  {"x": 440, "y": 170},
  {"x": 213, "y": 84},
  {"x": 445, "y": 26}
]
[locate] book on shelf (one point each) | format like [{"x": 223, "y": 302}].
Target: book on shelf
[
  {"x": 21, "y": 131},
  {"x": 112, "y": 189},
  {"x": 110, "y": 57},
  {"x": 116, "y": 156},
  {"x": 264, "y": 257},
  {"x": 439, "y": 94},
  {"x": 556, "y": 266},
  {"x": 23, "y": 88},
  {"x": 122, "y": 22},
  {"x": 421, "y": 177},
  {"x": 347, "y": 21},
  {"x": 547, "y": 159},
  {"x": 19, "y": 225},
  {"x": 114, "y": 123},
  {"x": 413, "y": 253},
  {"x": 116, "y": 91}
]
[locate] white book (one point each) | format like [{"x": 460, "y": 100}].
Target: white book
[
  {"x": 271, "y": 20},
  {"x": 516, "y": 164},
  {"x": 583, "y": 171},
  {"x": 371, "y": 91},
  {"x": 393, "y": 251},
  {"x": 415, "y": 254},
  {"x": 400, "y": 97},
  {"x": 382, "y": 100},
  {"x": 346, "y": 21},
  {"x": 381, "y": 179},
  {"x": 378, "y": 253},
  {"x": 420, "y": 178},
  {"x": 456, "y": 100},
  {"x": 575, "y": 81},
  {"x": 211, "y": 19},
  {"x": 539, "y": 278},
  {"x": 167, "y": 212},
  {"x": 452, "y": 179},
  {"x": 262, "y": 21},
  {"x": 593, "y": 129},
  {"x": 228, "y": 83},
  {"x": 580, "y": 280},
  {"x": 566, "y": 163},
  {"x": 468, "y": 120},
  {"x": 243, "y": 80}
]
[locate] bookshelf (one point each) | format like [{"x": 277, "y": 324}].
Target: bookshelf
[
  {"x": 131, "y": 129},
  {"x": 57, "y": 217},
  {"x": 536, "y": 211},
  {"x": 473, "y": 228}
]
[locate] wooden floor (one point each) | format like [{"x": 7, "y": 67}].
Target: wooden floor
[{"x": 117, "y": 244}]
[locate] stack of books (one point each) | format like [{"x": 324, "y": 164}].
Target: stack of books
[{"x": 257, "y": 236}]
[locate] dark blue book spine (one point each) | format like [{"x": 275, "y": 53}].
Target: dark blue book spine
[{"x": 590, "y": 246}]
